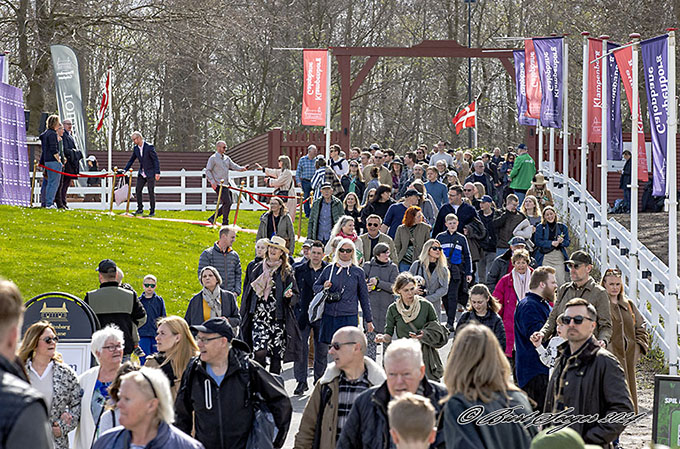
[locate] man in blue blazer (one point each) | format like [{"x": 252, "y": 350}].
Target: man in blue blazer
[{"x": 149, "y": 171}]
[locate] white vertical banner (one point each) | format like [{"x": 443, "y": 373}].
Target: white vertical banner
[
  {"x": 604, "y": 244},
  {"x": 584, "y": 135}
]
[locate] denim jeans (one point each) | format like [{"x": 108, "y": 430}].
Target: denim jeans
[
  {"x": 520, "y": 195},
  {"x": 53, "y": 180},
  {"x": 404, "y": 266},
  {"x": 306, "y": 191},
  {"x": 484, "y": 264},
  {"x": 320, "y": 354}
]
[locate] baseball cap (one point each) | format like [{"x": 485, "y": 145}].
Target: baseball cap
[
  {"x": 566, "y": 438},
  {"x": 374, "y": 146},
  {"x": 487, "y": 199},
  {"x": 307, "y": 242},
  {"x": 412, "y": 192},
  {"x": 218, "y": 325},
  {"x": 521, "y": 146},
  {"x": 326, "y": 185},
  {"x": 107, "y": 266},
  {"x": 517, "y": 241},
  {"x": 580, "y": 257}
]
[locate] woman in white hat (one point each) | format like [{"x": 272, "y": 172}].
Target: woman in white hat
[
  {"x": 540, "y": 191},
  {"x": 269, "y": 325}
]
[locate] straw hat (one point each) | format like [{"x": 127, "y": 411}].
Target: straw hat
[
  {"x": 278, "y": 242},
  {"x": 539, "y": 180}
]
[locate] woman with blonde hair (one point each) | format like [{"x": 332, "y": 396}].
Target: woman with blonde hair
[
  {"x": 478, "y": 374},
  {"x": 480, "y": 190},
  {"x": 552, "y": 240},
  {"x": 344, "y": 228},
  {"x": 283, "y": 181},
  {"x": 277, "y": 221},
  {"x": 433, "y": 268},
  {"x": 352, "y": 208},
  {"x": 57, "y": 382},
  {"x": 176, "y": 346}
]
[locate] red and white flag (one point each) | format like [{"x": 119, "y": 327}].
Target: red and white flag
[
  {"x": 466, "y": 118},
  {"x": 105, "y": 101}
]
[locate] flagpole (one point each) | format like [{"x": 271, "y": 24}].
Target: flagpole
[
  {"x": 584, "y": 138},
  {"x": 635, "y": 106},
  {"x": 328, "y": 105},
  {"x": 672, "y": 188},
  {"x": 606, "y": 97},
  {"x": 540, "y": 144},
  {"x": 109, "y": 131},
  {"x": 551, "y": 153},
  {"x": 565, "y": 122}
]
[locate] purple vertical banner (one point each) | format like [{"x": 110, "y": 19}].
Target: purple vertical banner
[
  {"x": 655, "y": 64},
  {"x": 15, "y": 183},
  {"x": 520, "y": 84},
  {"x": 549, "y": 58},
  {"x": 614, "y": 126}
]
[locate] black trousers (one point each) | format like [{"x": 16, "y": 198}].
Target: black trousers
[
  {"x": 225, "y": 199},
  {"x": 150, "y": 182},
  {"x": 60, "y": 197},
  {"x": 536, "y": 389}
]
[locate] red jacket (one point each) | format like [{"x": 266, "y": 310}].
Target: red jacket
[{"x": 506, "y": 296}]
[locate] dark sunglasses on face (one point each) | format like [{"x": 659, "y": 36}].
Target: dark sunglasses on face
[
  {"x": 372, "y": 225},
  {"x": 150, "y": 285},
  {"x": 574, "y": 265},
  {"x": 436, "y": 248},
  {"x": 345, "y": 250},
  {"x": 578, "y": 319},
  {"x": 49, "y": 340},
  {"x": 335, "y": 345}
]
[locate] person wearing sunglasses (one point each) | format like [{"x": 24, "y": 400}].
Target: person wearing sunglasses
[
  {"x": 629, "y": 340},
  {"x": 107, "y": 347},
  {"x": 373, "y": 236},
  {"x": 588, "y": 378},
  {"x": 582, "y": 285},
  {"x": 433, "y": 268},
  {"x": 155, "y": 309},
  {"x": 53, "y": 378}
]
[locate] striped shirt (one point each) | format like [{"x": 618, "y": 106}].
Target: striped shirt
[
  {"x": 305, "y": 168},
  {"x": 348, "y": 390}
]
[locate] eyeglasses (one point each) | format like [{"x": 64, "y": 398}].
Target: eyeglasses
[
  {"x": 613, "y": 271},
  {"x": 345, "y": 250},
  {"x": 436, "y": 248},
  {"x": 49, "y": 340},
  {"x": 578, "y": 319},
  {"x": 205, "y": 340},
  {"x": 337, "y": 346},
  {"x": 574, "y": 265},
  {"x": 372, "y": 225},
  {"x": 467, "y": 190},
  {"x": 150, "y": 285},
  {"x": 113, "y": 348}
]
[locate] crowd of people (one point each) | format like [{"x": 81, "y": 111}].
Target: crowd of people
[{"x": 403, "y": 254}]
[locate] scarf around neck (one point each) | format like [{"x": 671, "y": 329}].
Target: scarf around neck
[
  {"x": 263, "y": 284},
  {"x": 214, "y": 300},
  {"x": 520, "y": 287},
  {"x": 408, "y": 313}
]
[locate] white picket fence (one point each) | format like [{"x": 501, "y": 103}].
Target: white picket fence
[
  {"x": 252, "y": 179},
  {"x": 653, "y": 279}
]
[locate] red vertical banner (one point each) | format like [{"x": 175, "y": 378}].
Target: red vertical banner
[
  {"x": 315, "y": 88},
  {"x": 533, "y": 80},
  {"x": 594, "y": 91},
  {"x": 624, "y": 59}
]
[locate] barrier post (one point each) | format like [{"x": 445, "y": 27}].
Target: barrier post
[
  {"x": 113, "y": 190},
  {"x": 127, "y": 207},
  {"x": 300, "y": 219},
  {"x": 35, "y": 174},
  {"x": 219, "y": 198},
  {"x": 238, "y": 203}
]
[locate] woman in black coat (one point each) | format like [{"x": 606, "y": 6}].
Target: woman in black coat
[
  {"x": 269, "y": 324},
  {"x": 483, "y": 309},
  {"x": 353, "y": 181},
  {"x": 212, "y": 301}
]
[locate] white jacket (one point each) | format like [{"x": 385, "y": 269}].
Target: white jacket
[{"x": 87, "y": 427}]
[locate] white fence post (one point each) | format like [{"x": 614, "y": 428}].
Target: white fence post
[
  {"x": 204, "y": 191},
  {"x": 183, "y": 188}
]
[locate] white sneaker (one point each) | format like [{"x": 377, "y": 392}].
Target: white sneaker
[{"x": 54, "y": 206}]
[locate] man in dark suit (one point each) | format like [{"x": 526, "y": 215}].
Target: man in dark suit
[
  {"x": 149, "y": 171},
  {"x": 72, "y": 165}
]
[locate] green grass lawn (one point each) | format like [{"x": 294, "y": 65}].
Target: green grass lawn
[{"x": 52, "y": 250}]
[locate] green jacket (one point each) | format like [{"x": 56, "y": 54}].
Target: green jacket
[
  {"x": 523, "y": 172},
  {"x": 435, "y": 336},
  {"x": 337, "y": 211}
]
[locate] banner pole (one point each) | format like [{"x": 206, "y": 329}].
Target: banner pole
[
  {"x": 109, "y": 131},
  {"x": 217, "y": 207},
  {"x": 635, "y": 106},
  {"x": 113, "y": 190},
  {"x": 540, "y": 145},
  {"x": 238, "y": 203},
  {"x": 604, "y": 139},
  {"x": 551, "y": 154},
  {"x": 35, "y": 174},
  {"x": 127, "y": 206},
  {"x": 301, "y": 199},
  {"x": 672, "y": 189},
  {"x": 584, "y": 140},
  {"x": 565, "y": 121},
  {"x": 328, "y": 105}
]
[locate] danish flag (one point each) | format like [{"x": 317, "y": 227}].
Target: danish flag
[
  {"x": 105, "y": 102},
  {"x": 466, "y": 118}
]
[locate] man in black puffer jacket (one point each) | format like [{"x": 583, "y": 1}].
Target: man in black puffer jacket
[
  {"x": 218, "y": 391},
  {"x": 367, "y": 426}
]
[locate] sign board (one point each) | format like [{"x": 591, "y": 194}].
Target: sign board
[
  {"x": 73, "y": 320},
  {"x": 666, "y": 412}
]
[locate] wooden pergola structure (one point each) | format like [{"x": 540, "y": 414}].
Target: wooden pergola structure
[{"x": 426, "y": 49}]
